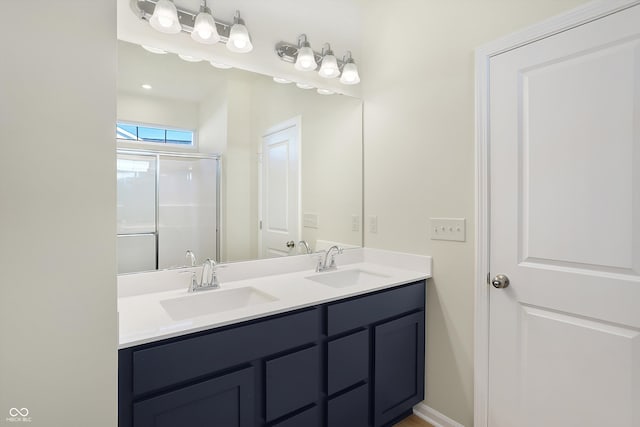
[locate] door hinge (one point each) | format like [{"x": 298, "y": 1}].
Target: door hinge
[
  {"x": 260, "y": 227},
  {"x": 488, "y": 278}
]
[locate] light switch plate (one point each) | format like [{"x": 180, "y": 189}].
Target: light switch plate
[
  {"x": 448, "y": 229},
  {"x": 310, "y": 220}
]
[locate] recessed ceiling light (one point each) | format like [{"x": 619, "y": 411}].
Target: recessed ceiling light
[
  {"x": 325, "y": 91},
  {"x": 146, "y": 86},
  {"x": 189, "y": 58},
  {"x": 281, "y": 80},
  {"x": 304, "y": 86},
  {"x": 154, "y": 50},
  {"x": 220, "y": 65}
]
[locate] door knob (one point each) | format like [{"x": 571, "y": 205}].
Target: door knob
[
  {"x": 500, "y": 281},
  {"x": 291, "y": 244}
]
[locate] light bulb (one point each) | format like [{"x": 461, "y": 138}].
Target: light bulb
[
  {"x": 306, "y": 60},
  {"x": 165, "y": 17},
  {"x": 204, "y": 29},
  {"x": 239, "y": 40},
  {"x": 329, "y": 68},
  {"x": 304, "y": 86},
  {"x": 350, "y": 74}
]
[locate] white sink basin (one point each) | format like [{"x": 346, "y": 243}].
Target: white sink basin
[
  {"x": 345, "y": 278},
  {"x": 214, "y": 301}
]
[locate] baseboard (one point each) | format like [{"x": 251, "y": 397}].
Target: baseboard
[{"x": 434, "y": 417}]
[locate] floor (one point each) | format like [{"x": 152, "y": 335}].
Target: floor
[{"x": 413, "y": 421}]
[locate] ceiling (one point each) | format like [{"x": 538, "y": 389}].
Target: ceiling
[{"x": 269, "y": 21}]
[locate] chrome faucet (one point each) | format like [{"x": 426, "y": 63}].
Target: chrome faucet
[
  {"x": 329, "y": 257},
  {"x": 306, "y": 245},
  {"x": 191, "y": 258},
  {"x": 208, "y": 278}
]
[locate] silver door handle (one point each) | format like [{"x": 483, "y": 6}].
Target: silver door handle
[
  {"x": 500, "y": 281},
  {"x": 291, "y": 244}
]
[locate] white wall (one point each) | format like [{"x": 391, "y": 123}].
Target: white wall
[
  {"x": 58, "y": 318},
  {"x": 331, "y": 153},
  {"x": 238, "y": 166},
  {"x": 418, "y": 85},
  {"x": 157, "y": 111}
]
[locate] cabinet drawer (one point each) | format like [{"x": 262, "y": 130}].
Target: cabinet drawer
[
  {"x": 348, "y": 361},
  {"x": 224, "y": 401},
  {"x": 362, "y": 311},
  {"x": 308, "y": 418},
  {"x": 166, "y": 364},
  {"x": 292, "y": 382},
  {"x": 350, "y": 409}
]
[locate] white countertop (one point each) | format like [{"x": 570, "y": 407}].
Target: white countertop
[{"x": 142, "y": 318}]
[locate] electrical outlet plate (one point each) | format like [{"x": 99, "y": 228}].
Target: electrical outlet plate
[
  {"x": 373, "y": 224},
  {"x": 355, "y": 222},
  {"x": 448, "y": 229}
]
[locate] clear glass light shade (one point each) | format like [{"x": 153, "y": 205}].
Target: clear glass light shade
[
  {"x": 165, "y": 17},
  {"x": 204, "y": 29},
  {"x": 350, "y": 74},
  {"x": 329, "y": 68},
  {"x": 239, "y": 40},
  {"x": 306, "y": 60}
]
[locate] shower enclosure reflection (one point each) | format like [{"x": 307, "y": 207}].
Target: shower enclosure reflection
[{"x": 166, "y": 203}]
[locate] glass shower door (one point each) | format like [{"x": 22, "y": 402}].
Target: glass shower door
[
  {"x": 187, "y": 200},
  {"x": 136, "y": 212}
]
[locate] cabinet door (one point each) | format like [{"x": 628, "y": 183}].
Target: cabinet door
[
  {"x": 225, "y": 401},
  {"x": 399, "y": 366}
]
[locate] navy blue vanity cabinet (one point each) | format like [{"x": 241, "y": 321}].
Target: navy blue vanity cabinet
[
  {"x": 399, "y": 366},
  {"x": 227, "y": 400},
  {"x": 356, "y": 362},
  {"x": 375, "y": 357}
]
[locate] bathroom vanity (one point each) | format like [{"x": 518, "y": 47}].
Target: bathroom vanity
[{"x": 353, "y": 358}]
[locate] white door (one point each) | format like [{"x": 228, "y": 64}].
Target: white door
[
  {"x": 564, "y": 336},
  {"x": 280, "y": 187}
]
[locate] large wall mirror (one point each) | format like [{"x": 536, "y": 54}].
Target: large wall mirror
[{"x": 271, "y": 164}]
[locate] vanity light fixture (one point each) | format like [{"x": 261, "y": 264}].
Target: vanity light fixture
[
  {"x": 220, "y": 65},
  {"x": 155, "y": 50},
  {"x": 325, "y": 91},
  {"x": 189, "y": 58},
  {"x": 239, "y": 40},
  {"x": 204, "y": 28},
  {"x": 164, "y": 16},
  {"x": 305, "y": 86},
  {"x": 306, "y": 58},
  {"x": 350, "y": 74},
  {"x": 329, "y": 67},
  {"x": 281, "y": 80}
]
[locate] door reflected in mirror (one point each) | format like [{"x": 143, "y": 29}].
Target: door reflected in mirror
[{"x": 290, "y": 160}]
